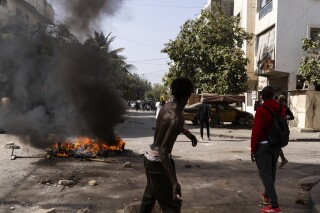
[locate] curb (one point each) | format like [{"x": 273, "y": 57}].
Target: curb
[
  {"x": 305, "y": 139},
  {"x": 314, "y": 198},
  {"x": 248, "y": 138}
]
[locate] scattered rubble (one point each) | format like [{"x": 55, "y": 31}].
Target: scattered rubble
[
  {"x": 308, "y": 182},
  {"x": 45, "y": 181},
  {"x": 135, "y": 208},
  {"x": 92, "y": 183},
  {"x": 53, "y": 210},
  {"x": 66, "y": 182},
  {"x": 127, "y": 164},
  {"x": 86, "y": 210}
]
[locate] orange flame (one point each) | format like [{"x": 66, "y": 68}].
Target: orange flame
[{"x": 86, "y": 146}]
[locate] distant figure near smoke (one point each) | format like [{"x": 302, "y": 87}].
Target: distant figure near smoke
[{"x": 5, "y": 104}]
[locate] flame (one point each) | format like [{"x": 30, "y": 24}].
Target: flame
[{"x": 84, "y": 146}]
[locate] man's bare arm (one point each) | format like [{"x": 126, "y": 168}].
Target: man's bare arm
[{"x": 191, "y": 136}]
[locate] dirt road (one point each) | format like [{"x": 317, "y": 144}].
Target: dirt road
[{"x": 216, "y": 176}]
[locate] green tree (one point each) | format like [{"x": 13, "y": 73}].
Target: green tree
[
  {"x": 208, "y": 51},
  {"x": 310, "y": 62},
  {"x": 104, "y": 44},
  {"x": 135, "y": 87},
  {"x": 156, "y": 91}
]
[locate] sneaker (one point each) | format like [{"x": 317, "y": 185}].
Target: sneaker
[
  {"x": 269, "y": 209},
  {"x": 265, "y": 200},
  {"x": 283, "y": 163},
  {"x": 209, "y": 139},
  {"x": 201, "y": 139}
]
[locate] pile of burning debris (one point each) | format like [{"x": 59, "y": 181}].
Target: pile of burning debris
[{"x": 81, "y": 147}]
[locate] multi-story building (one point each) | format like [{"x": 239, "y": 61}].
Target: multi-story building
[
  {"x": 226, "y": 6},
  {"x": 31, "y": 11},
  {"x": 276, "y": 51},
  {"x": 279, "y": 27},
  {"x": 246, "y": 11}
]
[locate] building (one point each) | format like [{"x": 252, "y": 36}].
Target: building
[
  {"x": 32, "y": 11},
  {"x": 226, "y": 6},
  {"x": 246, "y": 11},
  {"x": 279, "y": 27}
]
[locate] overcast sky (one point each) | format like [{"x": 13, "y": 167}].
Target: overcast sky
[{"x": 142, "y": 27}]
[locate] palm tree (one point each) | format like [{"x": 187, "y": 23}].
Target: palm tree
[{"x": 102, "y": 42}]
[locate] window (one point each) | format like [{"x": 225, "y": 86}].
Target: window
[
  {"x": 264, "y": 7},
  {"x": 3, "y": 3},
  {"x": 249, "y": 98},
  {"x": 262, "y": 3},
  {"x": 314, "y": 33}
]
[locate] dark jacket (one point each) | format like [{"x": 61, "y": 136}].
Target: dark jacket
[
  {"x": 262, "y": 122},
  {"x": 289, "y": 114},
  {"x": 204, "y": 112}
]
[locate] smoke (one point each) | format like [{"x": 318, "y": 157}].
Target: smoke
[
  {"x": 67, "y": 89},
  {"x": 83, "y": 16}
]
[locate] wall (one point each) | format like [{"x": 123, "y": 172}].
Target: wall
[
  {"x": 267, "y": 21},
  {"x": 247, "y": 11},
  {"x": 43, "y": 7},
  {"x": 294, "y": 16},
  {"x": 305, "y": 105},
  {"x": 42, "y": 12}
]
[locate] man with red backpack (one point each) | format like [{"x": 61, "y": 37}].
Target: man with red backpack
[{"x": 265, "y": 155}]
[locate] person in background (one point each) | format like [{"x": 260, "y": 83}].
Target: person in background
[
  {"x": 289, "y": 116},
  {"x": 159, "y": 105},
  {"x": 162, "y": 183},
  {"x": 204, "y": 117},
  {"x": 265, "y": 156}
]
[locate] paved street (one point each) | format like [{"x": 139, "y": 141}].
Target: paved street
[{"x": 216, "y": 176}]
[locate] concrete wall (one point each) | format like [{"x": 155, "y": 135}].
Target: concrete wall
[
  {"x": 247, "y": 11},
  {"x": 267, "y": 21},
  {"x": 305, "y": 105},
  {"x": 42, "y": 12},
  {"x": 43, "y": 7},
  {"x": 293, "y": 21}
]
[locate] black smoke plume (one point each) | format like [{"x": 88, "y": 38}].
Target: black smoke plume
[
  {"x": 57, "y": 85},
  {"x": 83, "y": 16}
]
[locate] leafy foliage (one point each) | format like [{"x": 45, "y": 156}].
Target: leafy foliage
[
  {"x": 134, "y": 87},
  {"x": 157, "y": 91},
  {"x": 208, "y": 51},
  {"x": 310, "y": 62}
]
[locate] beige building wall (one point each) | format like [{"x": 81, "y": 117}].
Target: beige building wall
[
  {"x": 31, "y": 11},
  {"x": 226, "y": 6},
  {"x": 305, "y": 105},
  {"x": 246, "y": 11}
]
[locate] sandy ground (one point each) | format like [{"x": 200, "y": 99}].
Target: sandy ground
[{"x": 216, "y": 176}]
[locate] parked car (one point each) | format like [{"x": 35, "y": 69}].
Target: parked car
[{"x": 220, "y": 112}]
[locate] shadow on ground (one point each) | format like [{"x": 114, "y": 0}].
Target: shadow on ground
[{"x": 221, "y": 186}]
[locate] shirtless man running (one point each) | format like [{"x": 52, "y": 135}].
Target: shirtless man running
[{"x": 162, "y": 183}]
